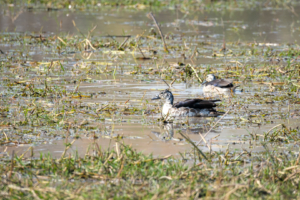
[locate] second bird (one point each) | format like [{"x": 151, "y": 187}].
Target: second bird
[{"x": 214, "y": 85}]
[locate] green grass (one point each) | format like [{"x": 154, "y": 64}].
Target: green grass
[{"x": 124, "y": 173}]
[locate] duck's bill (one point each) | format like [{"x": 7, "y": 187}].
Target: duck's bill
[
  {"x": 155, "y": 98},
  {"x": 203, "y": 82}
]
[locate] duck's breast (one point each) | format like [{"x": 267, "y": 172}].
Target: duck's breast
[{"x": 167, "y": 109}]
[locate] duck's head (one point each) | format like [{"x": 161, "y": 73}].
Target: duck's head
[
  {"x": 166, "y": 95},
  {"x": 210, "y": 77}
]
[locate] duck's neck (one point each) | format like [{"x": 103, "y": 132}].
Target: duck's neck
[{"x": 169, "y": 101}]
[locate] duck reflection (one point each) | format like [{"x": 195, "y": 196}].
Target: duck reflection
[{"x": 166, "y": 132}]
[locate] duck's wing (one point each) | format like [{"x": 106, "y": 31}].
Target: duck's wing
[
  {"x": 222, "y": 83},
  {"x": 196, "y": 103}
]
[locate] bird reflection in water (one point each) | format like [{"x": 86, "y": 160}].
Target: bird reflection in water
[{"x": 166, "y": 132}]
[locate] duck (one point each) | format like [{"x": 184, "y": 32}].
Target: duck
[
  {"x": 214, "y": 85},
  {"x": 186, "y": 108}
]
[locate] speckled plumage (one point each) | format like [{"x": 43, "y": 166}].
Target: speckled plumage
[{"x": 187, "y": 108}]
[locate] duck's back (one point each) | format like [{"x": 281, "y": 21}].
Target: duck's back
[
  {"x": 196, "y": 103},
  {"x": 222, "y": 83}
]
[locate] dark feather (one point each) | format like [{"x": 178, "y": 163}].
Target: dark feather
[
  {"x": 222, "y": 83},
  {"x": 196, "y": 103}
]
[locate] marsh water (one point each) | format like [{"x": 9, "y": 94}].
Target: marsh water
[{"x": 125, "y": 81}]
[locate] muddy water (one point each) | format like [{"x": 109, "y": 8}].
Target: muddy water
[
  {"x": 157, "y": 140},
  {"x": 260, "y": 24},
  {"x": 266, "y": 26}
]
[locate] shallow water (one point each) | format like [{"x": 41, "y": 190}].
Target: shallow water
[
  {"x": 155, "y": 140},
  {"x": 118, "y": 81}
]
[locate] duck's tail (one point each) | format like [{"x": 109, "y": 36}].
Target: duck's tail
[
  {"x": 215, "y": 100},
  {"x": 220, "y": 113},
  {"x": 233, "y": 88},
  {"x": 215, "y": 113}
]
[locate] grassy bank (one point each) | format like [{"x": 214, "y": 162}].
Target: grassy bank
[{"x": 123, "y": 173}]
